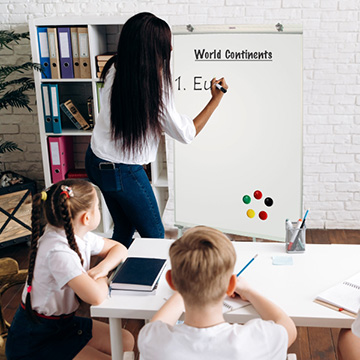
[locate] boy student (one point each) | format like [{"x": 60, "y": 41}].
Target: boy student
[{"x": 202, "y": 263}]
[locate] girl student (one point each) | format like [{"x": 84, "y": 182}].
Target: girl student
[
  {"x": 44, "y": 326},
  {"x": 137, "y": 105}
]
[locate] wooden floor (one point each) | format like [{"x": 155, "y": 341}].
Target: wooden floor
[{"x": 311, "y": 344}]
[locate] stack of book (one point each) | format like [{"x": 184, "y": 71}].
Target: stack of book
[
  {"x": 137, "y": 276},
  {"x": 101, "y": 60}
]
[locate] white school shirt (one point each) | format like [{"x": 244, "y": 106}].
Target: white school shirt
[
  {"x": 256, "y": 340},
  {"x": 55, "y": 265},
  {"x": 179, "y": 127}
]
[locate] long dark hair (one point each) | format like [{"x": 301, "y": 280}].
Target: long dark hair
[
  {"x": 57, "y": 206},
  {"x": 142, "y": 72}
]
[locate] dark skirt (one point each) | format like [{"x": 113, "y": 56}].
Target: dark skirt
[{"x": 48, "y": 338}]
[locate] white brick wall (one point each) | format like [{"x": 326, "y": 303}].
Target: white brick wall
[{"x": 331, "y": 84}]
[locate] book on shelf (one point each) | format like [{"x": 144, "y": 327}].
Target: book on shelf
[
  {"x": 90, "y": 109},
  {"x": 77, "y": 174},
  {"x": 343, "y": 297},
  {"x": 137, "y": 274},
  {"x": 105, "y": 57},
  {"x": 99, "y": 87},
  {"x": 74, "y": 115},
  {"x": 101, "y": 60}
]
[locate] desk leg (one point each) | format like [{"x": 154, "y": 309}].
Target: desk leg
[{"x": 116, "y": 339}]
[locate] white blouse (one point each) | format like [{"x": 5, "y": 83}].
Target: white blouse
[
  {"x": 55, "y": 265},
  {"x": 179, "y": 127}
]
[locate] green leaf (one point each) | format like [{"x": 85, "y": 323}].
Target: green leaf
[
  {"x": 7, "y": 37},
  {"x": 8, "y": 146}
]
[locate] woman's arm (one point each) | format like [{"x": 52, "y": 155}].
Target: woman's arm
[
  {"x": 113, "y": 253},
  {"x": 201, "y": 120}
]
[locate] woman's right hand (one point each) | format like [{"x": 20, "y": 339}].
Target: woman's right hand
[
  {"x": 216, "y": 96},
  {"x": 216, "y": 93}
]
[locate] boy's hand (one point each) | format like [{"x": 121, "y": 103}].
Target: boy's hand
[{"x": 242, "y": 288}]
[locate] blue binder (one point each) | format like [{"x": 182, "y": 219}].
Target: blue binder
[
  {"x": 44, "y": 52},
  {"x": 65, "y": 53},
  {"x": 55, "y": 108},
  {"x": 45, "y": 93}
]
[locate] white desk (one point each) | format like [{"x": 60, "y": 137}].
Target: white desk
[{"x": 292, "y": 287}]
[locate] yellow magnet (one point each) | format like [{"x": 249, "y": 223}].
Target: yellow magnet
[{"x": 250, "y": 213}]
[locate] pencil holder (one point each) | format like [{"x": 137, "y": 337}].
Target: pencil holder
[{"x": 295, "y": 238}]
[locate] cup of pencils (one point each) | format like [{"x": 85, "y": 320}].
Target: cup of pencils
[{"x": 295, "y": 236}]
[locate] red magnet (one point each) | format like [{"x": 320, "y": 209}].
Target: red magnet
[
  {"x": 257, "y": 194},
  {"x": 263, "y": 215}
]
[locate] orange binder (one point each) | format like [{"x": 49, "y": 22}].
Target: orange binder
[
  {"x": 85, "y": 71},
  {"x": 75, "y": 51},
  {"x": 54, "y": 53}
]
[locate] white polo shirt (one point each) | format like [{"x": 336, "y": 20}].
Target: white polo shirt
[
  {"x": 179, "y": 127},
  {"x": 256, "y": 340},
  {"x": 56, "y": 264}
]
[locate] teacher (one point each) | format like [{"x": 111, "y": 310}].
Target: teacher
[{"x": 137, "y": 105}]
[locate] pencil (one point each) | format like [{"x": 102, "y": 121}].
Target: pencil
[{"x": 238, "y": 274}]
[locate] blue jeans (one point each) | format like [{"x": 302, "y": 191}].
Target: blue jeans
[{"x": 129, "y": 197}]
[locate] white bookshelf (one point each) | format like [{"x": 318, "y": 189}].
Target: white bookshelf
[{"x": 103, "y": 35}]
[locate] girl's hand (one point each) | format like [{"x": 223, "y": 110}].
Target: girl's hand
[{"x": 98, "y": 271}]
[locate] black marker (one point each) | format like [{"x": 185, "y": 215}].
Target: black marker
[{"x": 218, "y": 86}]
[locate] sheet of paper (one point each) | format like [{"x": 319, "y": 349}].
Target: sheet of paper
[
  {"x": 231, "y": 304},
  {"x": 282, "y": 260},
  {"x": 345, "y": 295}
]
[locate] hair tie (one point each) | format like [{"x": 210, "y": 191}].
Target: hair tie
[
  {"x": 29, "y": 288},
  {"x": 66, "y": 193},
  {"x": 43, "y": 195},
  {"x": 67, "y": 190}
]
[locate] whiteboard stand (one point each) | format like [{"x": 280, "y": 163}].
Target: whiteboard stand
[
  {"x": 180, "y": 230},
  {"x": 243, "y": 173}
]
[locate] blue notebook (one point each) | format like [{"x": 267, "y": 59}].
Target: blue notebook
[{"x": 138, "y": 273}]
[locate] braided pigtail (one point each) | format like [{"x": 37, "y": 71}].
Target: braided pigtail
[
  {"x": 64, "y": 207},
  {"x": 37, "y": 231}
]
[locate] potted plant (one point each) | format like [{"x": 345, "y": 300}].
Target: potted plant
[
  {"x": 13, "y": 85},
  {"x": 15, "y": 197}
]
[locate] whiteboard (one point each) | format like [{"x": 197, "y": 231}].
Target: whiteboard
[{"x": 252, "y": 145}]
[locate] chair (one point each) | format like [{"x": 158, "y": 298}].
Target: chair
[
  {"x": 291, "y": 357},
  {"x": 10, "y": 275}
]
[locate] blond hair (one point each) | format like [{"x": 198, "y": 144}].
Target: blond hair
[{"x": 202, "y": 262}]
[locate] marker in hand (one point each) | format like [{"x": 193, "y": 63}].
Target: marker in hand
[{"x": 218, "y": 86}]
